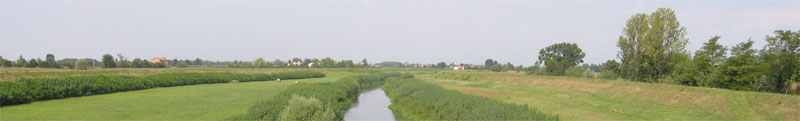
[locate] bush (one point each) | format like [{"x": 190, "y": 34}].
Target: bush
[
  {"x": 417, "y": 100},
  {"x": 33, "y": 89},
  {"x": 334, "y": 95},
  {"x": 608, "y": 75},
  {"x": 579, "y": 72},
  {"x": 182, "y": 65},
  {"x": 301, "y": 108}
]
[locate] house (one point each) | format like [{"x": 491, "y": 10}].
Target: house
[
  {"x": 160, "y": 60},
  {"x": 459, "y": 67}
]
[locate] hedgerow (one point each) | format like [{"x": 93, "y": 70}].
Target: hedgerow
[
  {"x": 333, "y": 95},
  {"x": 414, "y": 99},
  {"x": 27, "y": 90}
]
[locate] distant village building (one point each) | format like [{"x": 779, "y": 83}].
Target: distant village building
[
  {"x": 310, "y": 64},
  {"x": 297, "y": 63},
  {"x": 160, "y": 60},
  {"x": 460, "y": 67}
]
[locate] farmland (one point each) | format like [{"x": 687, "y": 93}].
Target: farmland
[{"x": 194, "y": 102}]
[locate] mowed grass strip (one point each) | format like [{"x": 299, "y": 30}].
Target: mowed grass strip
[
  {"x": 195, "y": 102},
  {"x": 598, "y": 99}
]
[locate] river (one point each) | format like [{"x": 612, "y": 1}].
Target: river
[{"x": 372, "y": 105}]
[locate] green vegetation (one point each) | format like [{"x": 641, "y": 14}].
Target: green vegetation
[
  {"x": 559, "y": 57},
  {"x": 26, "y": 90},
  {"x": 335, "y": 95},
  {"x": 192, "y": 102},
  {"x": 598, "y": 99},
  {"x": 457, "y": 76},
  {"x": 414, "y": 99}
]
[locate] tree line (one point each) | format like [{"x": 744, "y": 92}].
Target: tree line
[{"x": 653, "y": 49}]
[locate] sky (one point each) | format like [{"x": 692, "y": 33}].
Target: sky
[{"x": 416, "y": 31}]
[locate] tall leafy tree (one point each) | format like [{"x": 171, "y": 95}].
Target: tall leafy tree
[
  {"x": 651, "y": 45},
  {"x": 560, "y": 56},
  {"x": 705, "y": 62},
  {"x": 108, "y": 61},
  {"x": 780, "y": 58}
]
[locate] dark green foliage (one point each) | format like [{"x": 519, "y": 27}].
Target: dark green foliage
[
  {"x": 740, "y": 71},
  {"x": 32, "y": 64},
  {"x": 335, "y": 95},
  {"x": 780, "y": 56},
  {"x": 558, "y": 57},
  {"x": 417, "y": 100},
  {"x": 5, "y": 63},
  {"x": 32, "y": 89},
  {"x": 489, "y": 63},
  {"x": 20, "y": 62},
  {"x": 579, "y": 72},
  {"x": 108, "y": 61}
]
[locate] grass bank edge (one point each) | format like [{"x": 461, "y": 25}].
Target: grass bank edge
[{"x": 414, "y": 99}]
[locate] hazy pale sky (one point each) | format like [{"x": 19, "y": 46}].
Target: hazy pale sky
[{"x": 424, "y": 31}]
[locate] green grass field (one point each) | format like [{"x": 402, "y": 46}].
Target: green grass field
[
  {"x": 194, "y": 102},
  {"x": 597, "y": 99}
]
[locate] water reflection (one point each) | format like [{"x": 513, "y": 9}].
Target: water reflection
[{"x": 372, "y": 105}]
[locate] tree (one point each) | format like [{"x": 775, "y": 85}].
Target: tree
[
  {"x": 198, "y": 61},
  {"x": 346, "y": 64},
  {"x": 261, "y": 63},
  {"x": 327, "y": 62},
  {"x": 441, "y": 65},
  {"x": 740, "y": 71},
  {"x": 651, "y": 45},
  {"x": 780, "y": 58},
  {"x": 137, "y": 63},
  {"x": 49, "y": 62},
  {"x": 705, "y": 61},
  {"x": 509, "y": 66},
  {"x": 489, "y": 63},
  {"x": 364, "y": 63},
  {"x": 31, "y": 64},
  {"x": 82, "y": 64},
  {"x": 560, "y": 56},
  {"x": 20, "y": 62},
  {"x": 5, "y": 63},
  {"x": 108, "y": 61}
]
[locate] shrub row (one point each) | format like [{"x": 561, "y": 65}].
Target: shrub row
[
  {"x": 333, "y": 95},
  {"x": 458, "y": 76},
  {"x": 27, "y": 90},
  {"x": 414, "y": 99}
]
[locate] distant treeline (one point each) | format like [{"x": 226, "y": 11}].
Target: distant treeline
[
  {"x": 418, "y": 100},
  {"x": 27, "y": 90},
  {"x": 315, "y": 102}
]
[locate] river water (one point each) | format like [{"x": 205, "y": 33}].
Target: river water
[{"x": 372, "y": 105}]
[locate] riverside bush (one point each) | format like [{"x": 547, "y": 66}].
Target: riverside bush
[
  {"x": 27, "y": 90},
  {"x": 334, "y": 95},
  {"x": 417, "y": 100}
]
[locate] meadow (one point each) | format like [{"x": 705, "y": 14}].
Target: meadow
[
  {"x": 193, "y": 102},
  {"x": 573, "y": 98}
]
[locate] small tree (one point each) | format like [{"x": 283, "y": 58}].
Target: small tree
[
  {"x": 108, "y": 61},
  {"x": 20, "y": 62},
  {"x": 82, "y": 64}
]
